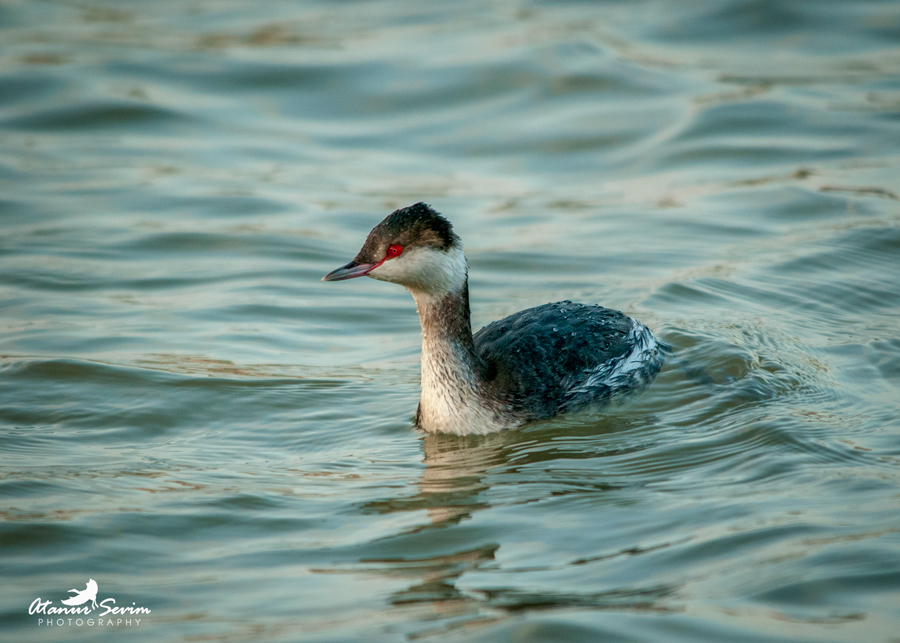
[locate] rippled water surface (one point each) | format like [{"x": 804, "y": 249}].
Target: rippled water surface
[{"x": 196, "y": 422}]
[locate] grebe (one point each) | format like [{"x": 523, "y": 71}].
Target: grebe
[{"x": 532, "y": 365}]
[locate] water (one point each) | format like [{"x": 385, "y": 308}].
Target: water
[{"x": 196, "y": 422}]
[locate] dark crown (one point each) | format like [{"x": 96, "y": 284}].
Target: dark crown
[{"x": 417, "y": 225}]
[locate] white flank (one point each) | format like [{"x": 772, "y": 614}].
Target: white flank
[{"x": 625, "y": 372}]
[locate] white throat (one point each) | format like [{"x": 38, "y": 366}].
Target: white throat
[{"x": 453, "y": 398}]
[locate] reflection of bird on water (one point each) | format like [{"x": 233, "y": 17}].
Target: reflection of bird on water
[{"x": 532, "y": 365}]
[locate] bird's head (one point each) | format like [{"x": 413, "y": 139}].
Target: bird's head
[{"x": 414, "y": 247}]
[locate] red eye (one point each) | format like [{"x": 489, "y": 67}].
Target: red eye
[{"x": 394, "y": 251}]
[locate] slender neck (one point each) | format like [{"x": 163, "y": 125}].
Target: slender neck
[
  {"x": 452, "y": 395},
  {"x": 445, "y": 319}
]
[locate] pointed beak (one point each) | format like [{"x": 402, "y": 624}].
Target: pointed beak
[{"x": 350, "y": 271}]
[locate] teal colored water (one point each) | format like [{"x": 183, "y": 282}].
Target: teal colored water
[{"x": 190, "y": 418}]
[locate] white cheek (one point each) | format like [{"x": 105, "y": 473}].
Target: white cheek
[{"x": 426, "y": 270}]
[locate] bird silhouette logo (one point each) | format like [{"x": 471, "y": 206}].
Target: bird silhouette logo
[{"x": 89, "y": 593}]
